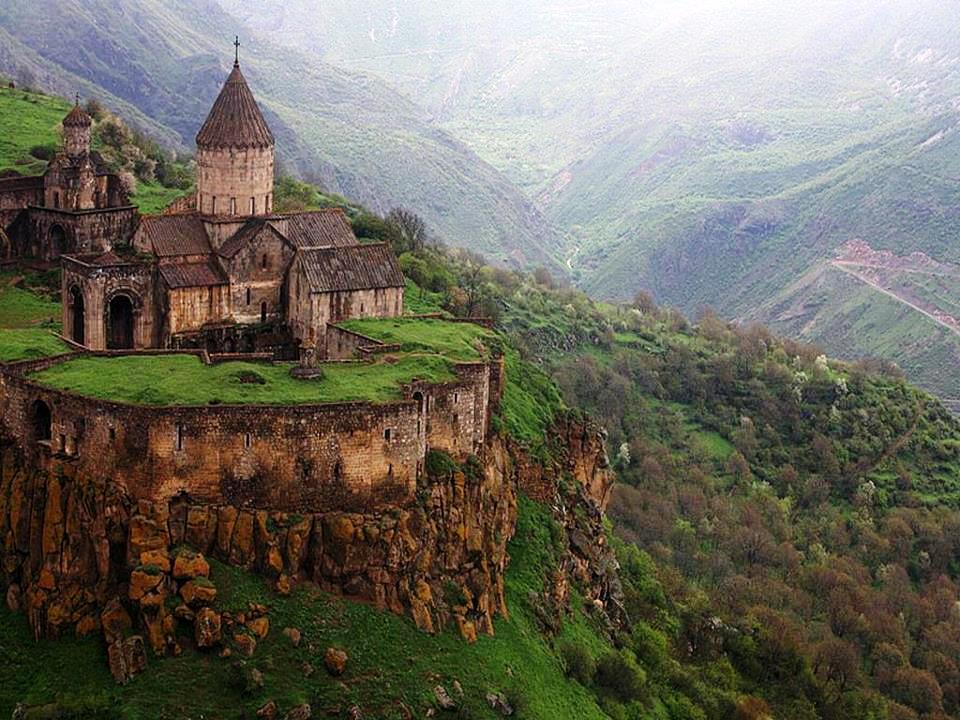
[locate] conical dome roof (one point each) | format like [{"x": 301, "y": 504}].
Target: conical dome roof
[
  {"x": 235, "y": 120},
  {"x": 77, "y": 117}
]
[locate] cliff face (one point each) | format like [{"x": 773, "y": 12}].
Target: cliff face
[{"x": 78, "y": 553}]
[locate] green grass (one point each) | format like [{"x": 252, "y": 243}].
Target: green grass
[
  {"x": 21, "y": 308},
  {"x": 152, "y": 198},
  {"x": 28, "y": 120},
  {"x": 29, "y": 343},
  {"x": 417, "y": 301},
  {"x": 390, "y": 661},
  {"x": 459, "y": 341},
  {"x": 530, "y": 402},
  {"x": 185, "y": 380}
]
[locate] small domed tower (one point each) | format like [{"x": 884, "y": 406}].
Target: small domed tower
[
  {"x": 235, "y": 155},
  {"x": 76, "y": 131}
]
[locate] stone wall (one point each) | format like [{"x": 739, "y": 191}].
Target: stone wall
[
  {"x": 229, "y": 181},
  {"x": 190, "y": 308},
  {"x": 82, "y": 232},
  {"x": 336, "y": 456},
  {"x": 257, "y": 274}
]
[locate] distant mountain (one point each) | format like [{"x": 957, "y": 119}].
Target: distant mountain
[
  {"x": 162, "y": 64},
  {"x": 713, "y": 154}
]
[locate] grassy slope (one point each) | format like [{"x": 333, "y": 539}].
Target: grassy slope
[
  {"x": 21, "y": 312},
  {"x": 27, "y": 120},
  {"x": 459, "y": 341}
]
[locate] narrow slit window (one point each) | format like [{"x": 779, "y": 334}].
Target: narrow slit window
[
  {"x": 248, "y": 296},
  {"x": 386, "y": 434},
  {"x": 264, "y": 262},
  {"x": 179, "y": 440},
  {"x": 253, "y": 206},
  {"x": 233, "y": 206}
]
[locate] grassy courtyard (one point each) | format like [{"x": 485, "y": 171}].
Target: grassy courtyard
[
  {"x": 26, "y": 320},
  {"x": 185, "y": 380}
]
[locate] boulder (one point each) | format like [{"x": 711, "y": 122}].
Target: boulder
[
  {"x": 246, "y": 644},
  {"x": 294, "y": 635},
  {"x": 443, "y": 698},
  {"x": 335, "y": 660},
  {"x": 126, "y": 658},
  {"x": 143, "y": 580},
  {"x": 13, "y": 597},
  {"x": 268, "y": 711},
  {"x": 158, "y": 558},
  {"x": 189, "y": 565},
  {"x": 114, "y": 620},
  {"x": 198, "y": 592},
  {"x": 300, "y": 712},
  {"x": 206, "y": 628},
  {"x": 259, "y": 626},
  {"x": 498, "y": 703}
]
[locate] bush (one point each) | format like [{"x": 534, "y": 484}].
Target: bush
[
  {"x": 43, "y": 152},
  {"x": 440, "y": 464},
  {"x": 578, "y": 663},
  {"x": 619, "y": 675}
]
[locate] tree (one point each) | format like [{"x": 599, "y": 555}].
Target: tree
[{"x": 411, "y": 230}]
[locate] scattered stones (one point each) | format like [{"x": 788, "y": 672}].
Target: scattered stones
[
  {"x": 189, "y": 565},
  {"x": 282, "y": 586},
  {"x": 300, "y": 712},
  {"x": 498, "y": 702},
  {"x": 443, "y": 698},
  {"x": 458, "y": 688},
  {"x": 207, "y": 628},
  {"x": 184, "y": 612},
  {"x": 254, "y": 679},
  {"x": 307, "y": 669},
  {"x": 246, "y": 644},
  {"x": 294, "y": 635},
  {"x": 354, "y": 713},
  {"x": 335, "y": 660},
  {"x": 268, "y": 711},
  {"x": 259, "y": 626},
  {"x": 126, "y": 658}
]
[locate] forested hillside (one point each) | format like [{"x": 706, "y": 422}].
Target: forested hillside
[{"x": 713, "y": 153}]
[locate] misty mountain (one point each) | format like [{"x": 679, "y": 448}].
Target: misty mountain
[
  {"x": 352, "y": 133},
  {"x": 714, "y": 153}
]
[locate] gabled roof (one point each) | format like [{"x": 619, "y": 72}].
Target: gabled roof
[
  {"x": 198, "y": 274},
  {"x": 173, "y": 235},
  {"x": 321, "y": 228},
  {"x": 244, "y": 235},
  {"x": 235, "y": 120},
  {"x": 358, "y": 267}
]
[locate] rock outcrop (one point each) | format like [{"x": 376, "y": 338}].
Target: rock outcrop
[{"x": 75, "y": 547}]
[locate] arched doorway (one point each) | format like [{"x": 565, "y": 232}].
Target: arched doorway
[
  {"x": 120, "y": 323},
  {"x": 42, "y": 421},
  {"x": 56, "y": 241},
  {"x": 76, "y": 301}
]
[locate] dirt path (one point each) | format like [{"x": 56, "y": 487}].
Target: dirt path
[{"x": 848, "y": 268}]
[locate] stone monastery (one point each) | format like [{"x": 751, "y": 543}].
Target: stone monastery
[{"x": 221, "y": 272}]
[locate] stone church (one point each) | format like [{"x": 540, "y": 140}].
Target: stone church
[{"x": 221, "y": 272}]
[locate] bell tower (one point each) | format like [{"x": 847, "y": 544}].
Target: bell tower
[
  {"x": 235, "y": 153},
  {"x": 76, "y": 131}
]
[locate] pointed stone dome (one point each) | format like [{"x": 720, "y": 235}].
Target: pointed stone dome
[
  {"x": 77, "y": 117},
  {"x": 235, "y": 120}
]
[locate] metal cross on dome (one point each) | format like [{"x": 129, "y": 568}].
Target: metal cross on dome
[{"x": 236, "y": 50}]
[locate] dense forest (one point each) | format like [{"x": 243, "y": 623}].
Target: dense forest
[{"x": 787, "y": 525}]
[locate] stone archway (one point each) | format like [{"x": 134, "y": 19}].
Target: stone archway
[
  {"x": 42, "y": 421},
  {"x": 56, "y": 241},
  {"x": 78, "y": 316},
  {"x": 120, "y": 323}
]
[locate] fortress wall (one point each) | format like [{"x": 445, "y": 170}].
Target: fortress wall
[
  {"x": 88, "y": 231},
  {"x": 295, "y": 459},
  {"x": 344, "y": 344}
]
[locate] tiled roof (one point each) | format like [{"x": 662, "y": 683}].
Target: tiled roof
[
  {"x": 200, "y": 274},
  {"x": 248, "y": 232},
  {"x": 358, "y": 267},
  {"x": 322, "y": 228},
  {"x": 235, "y": 120},
  {"x": 77, "y": 117},
  {"x": 172, "y": 235}
]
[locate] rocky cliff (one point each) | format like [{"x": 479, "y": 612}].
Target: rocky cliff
[{"x": 79, "y": 555}]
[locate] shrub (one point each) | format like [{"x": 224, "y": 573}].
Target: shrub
[
  {"x": 578, "y": 663},
  {"x": 43, "y": 152},
  {"x": 440, "y": 464},
  {"x": 619, "y": 675}
]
